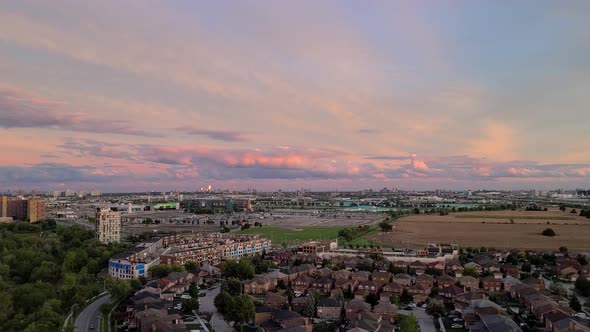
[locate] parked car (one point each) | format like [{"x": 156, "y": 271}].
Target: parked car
[
  {"x": 456, "y": 326},
  {"x": 408, "y": 308},
  {"x": 457, "y": 320}
]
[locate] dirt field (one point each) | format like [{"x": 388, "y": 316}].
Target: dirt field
[{"x": 491, "y": 229}]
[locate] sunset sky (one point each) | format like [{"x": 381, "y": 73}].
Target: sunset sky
[{"x": 326, "y": 95}]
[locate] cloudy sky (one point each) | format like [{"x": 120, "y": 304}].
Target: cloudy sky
[{"x": 160, "y": 95}]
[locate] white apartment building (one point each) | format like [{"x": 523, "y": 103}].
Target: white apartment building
[{"x": 108, "y": 225}]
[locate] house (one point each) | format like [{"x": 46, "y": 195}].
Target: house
[
  {"x": 417, "y": 267},
  {"x": 297, "y": 271},
  {"x": 491, "y": 284},
  {"x": 469, "y": 282},
  {"x": 536, "y": 283},
  {"x": 474, "y": 266},
  {"x": 386, "y": 310},
  {"x": 381, "y": 277},
  {"x": 329, "y": 308},
  {"x": 347, "y": 285},
  {"x": 509, "y": 281},
  {"x": 324, "y": 272},
  {"x": 275, "y": 301},
  {"x": 393, "y": 288},
  {"x": 510, "y": 270},
  {"x": 323, "y": 285},
  {"x": 445, "y": 280},
  {"x": 341, "y": 274},
  {"x": 258, "y": 285},
  {"x": 418, "y": 292},
  {"x": 262, "y": 314},
  {"x": 354, "y": 307},
  {"x": 351, "y": 263},
  {"x": 289, "y": 319},
  {"x": 368, "y": 321},
  {"x": 299, "y": 304},
  {"x": 568, "y": 273},
  {"x": 437, "y": 265},
  {"x": 451, "y": 292},
  {"x": 403, "y": 279},
  {"x": 425, "y": 280},
  {"x": 302, "y": 283},
  {"x": 382, "y": 265},
  {"x": 360, "y": 276},
  {"x": 491, "y": 267},
  {"x": 401, "y": 266},
  {"x": 369, "y": 286},
  {"x": 495, "y": 323}
]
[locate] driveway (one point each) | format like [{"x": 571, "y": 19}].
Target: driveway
[
  {"x": 91, "y": 315},
  {"x": 425, "y": 320}
]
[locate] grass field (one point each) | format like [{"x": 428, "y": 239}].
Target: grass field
[
  {"x": 280, "y": 235},
  {"x": 489, "y": 230}
]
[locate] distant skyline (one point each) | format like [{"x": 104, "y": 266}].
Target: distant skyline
[{"x": 331, "y": 95}]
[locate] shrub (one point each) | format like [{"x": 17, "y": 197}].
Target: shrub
[{"x": 548, "y": 232}]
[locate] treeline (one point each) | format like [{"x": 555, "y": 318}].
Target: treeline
[{"x": 45, "y": 270}]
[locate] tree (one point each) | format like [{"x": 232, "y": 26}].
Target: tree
[
  {"x": 188, "y": 305},
  {"x": 470, "y": 271},
  {"x": 433, "y": 271},
  {"x": 163, "y": 270},
  {"x": 583, "y": 285},
  {"x": 312, "y": 301},
  {"x": 557, "y": 288},
  {"x": 244, "y": 269},
  {"x": 243, "y": 310},
  {"x": 385, "y": 226},
  {"x": 562, "y": 207},
  {"x": 526, "y": 267},
  {"x": 120, "y": 289},
  {"x": 548, "y": 232},
  {"x": 416, "y": 211},
  {"x": 563, "y": 250},
  {"x": 193, "y": 290},
  {"x": 233, "y": 286},
  {"x": 575, "y": 303},
  {"x": 409, "y": 323},
  {"x": 573, "y": 211},
  {"x": 191, "y": 266},
  {"x": 223, "y": 302},
  {"x": 435, "y": 309},
  {"x": 372, "y": 299}
]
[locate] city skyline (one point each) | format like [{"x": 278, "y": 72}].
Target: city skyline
[{"x": 327, "y": 96}]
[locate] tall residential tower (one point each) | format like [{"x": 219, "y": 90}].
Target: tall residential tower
[{"x": 108, "y": 225}]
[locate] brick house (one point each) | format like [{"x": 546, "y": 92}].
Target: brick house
[
  {"x": 381, "y": 277},
  {"x": 329, "y": 308},
  {"x": 403, "y": 279},
  {"x": 425, "y": 280},
  {"x": 491, "y": 284}
]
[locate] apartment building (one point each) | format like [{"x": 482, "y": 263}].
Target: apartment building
[
  {"x": 108, "y": 225},
  {"x": 31, "y": 209}
]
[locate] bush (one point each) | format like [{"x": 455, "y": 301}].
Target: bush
[{"x": 548, "y": 232}]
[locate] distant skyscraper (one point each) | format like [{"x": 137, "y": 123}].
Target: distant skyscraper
[{"x": 108, "y": 225}]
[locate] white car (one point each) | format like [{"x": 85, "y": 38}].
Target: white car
[{"x": 456, "y": 326}]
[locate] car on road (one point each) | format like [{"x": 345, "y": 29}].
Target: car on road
[
  {"x": 408, "y": 307},
  {"x": 202, "y": 294},
  {"x": 91, "y": 327},
  {"x": 457, "y": 320},
  {"x": 456, "y": 326}
]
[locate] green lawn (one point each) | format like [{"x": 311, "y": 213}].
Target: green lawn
[
  {"x": 487, "y": 216},
  {"x": 279, "y": 235}
]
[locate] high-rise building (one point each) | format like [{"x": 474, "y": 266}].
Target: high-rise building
[
  {"x": 108, "y": 225},
  {"x": 31, "y": 209}
]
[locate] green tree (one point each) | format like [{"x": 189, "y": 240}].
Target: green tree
[
  {"x": 188, "y": 305},
  {"x": 563, "y": 250},
  {"x": 233, "y": 286},
  {"x": 119, "y": 289},
  {"x": 223, "y": 302},
  {"x": 575, "y": 303},
  {"x": 435, "y": 309},
  {"x": 372, "y": 299},
  {"x": 163, "y": 270},
  {"x": 243, "y": 310},
  {"x": 244, "y": 269},
  {"x": 583, "y": 286},
  {"x": 193, "y": 290},
  {"x": 470, "y": 271},
  {"x": 409, "y": 323},
  {"x": 548, "y": 232},
  {"x": 385, "y": 226},
  {"x": 191, "y": 266}
]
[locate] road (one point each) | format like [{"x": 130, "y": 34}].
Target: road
[
  {"x": 425, "y": 320},
  {"x": 91, "y": 315},
  {"x": 206, "y": 305}
]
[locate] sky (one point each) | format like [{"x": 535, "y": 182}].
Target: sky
[{"x": 323, "y": 95}]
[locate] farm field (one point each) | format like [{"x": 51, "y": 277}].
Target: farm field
[{"x": 491, "y": 229}]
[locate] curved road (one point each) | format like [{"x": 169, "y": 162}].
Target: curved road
[{"x": 90, "y": 315}]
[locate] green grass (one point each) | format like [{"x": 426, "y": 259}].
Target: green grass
[
  {"x": 279, "y": 235},
  {"x": 483, "y": 216},
  {"x": 104, "y": 323}
]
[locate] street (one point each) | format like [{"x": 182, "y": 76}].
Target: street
[
  {"x": 91, "y": 315},
  {"x": 207, "y": 306},
  {"x": 425, "y": 320}
]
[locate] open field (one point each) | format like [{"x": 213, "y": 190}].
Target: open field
[
  {"x": 294, "y": 235},
  {"x": 491, "y": 229}
]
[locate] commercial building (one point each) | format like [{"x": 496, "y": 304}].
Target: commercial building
[
  {"x": 108, "y": 225},
  {"x": 31, "y": 209},
  {"x": 205, "y": 205}
]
